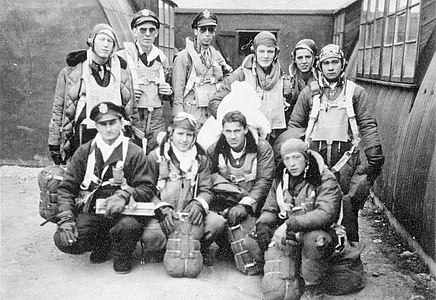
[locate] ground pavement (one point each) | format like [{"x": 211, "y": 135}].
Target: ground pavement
[{"x": 33, "y": 268}]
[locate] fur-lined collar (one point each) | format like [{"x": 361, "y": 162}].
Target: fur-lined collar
[
  {"x": 223, "y": 147},
  {"x": 77, "y": 57},
  {"x": 314, "y": 173}
]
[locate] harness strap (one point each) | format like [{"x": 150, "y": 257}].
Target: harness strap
[
  {"x": 281, "y": 188},
  {"x": 316, "y": 104},
  {"x": 89, "y": 174},
  {"x": 237, "y": 179}
]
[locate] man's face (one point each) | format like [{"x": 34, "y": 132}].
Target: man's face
[
  {"x": 205, "y": 34},
  {"x": 331, "y": 69},
  {"x": 303, "y": 60},
  {"x": 182, "y": 138},
  {"x": 109, "y": 129},
  {"x": 103, "y": 46},
  {"x": 295, "y": 162},
  {"x": 265, "y": 55},
  {"x": 235, "y": 133},
  {"x": 145, "y": 34}
]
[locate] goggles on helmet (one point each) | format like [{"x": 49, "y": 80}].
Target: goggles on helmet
[
  {"x": 331, "y": 51},
  {"x": 185, "y": 116}
]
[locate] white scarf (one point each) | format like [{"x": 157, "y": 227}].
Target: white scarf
[
  {"x": 105, "y": 148},
  {"x": 237, "y": 155},
  {"x": 186, "y": 158}
]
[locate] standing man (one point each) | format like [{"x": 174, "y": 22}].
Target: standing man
[
  {"x": 333, "y": 116},
  {"x": 148, "y": 66},
  {"x": 92, "y": 76},
  {"x": 108, "y": 167},
  {"x": 263, "y": 72},
  {"x": 198, "y": 69},
  {"x": 246, "y": 161},
  {"x": 301, "y": 71}
]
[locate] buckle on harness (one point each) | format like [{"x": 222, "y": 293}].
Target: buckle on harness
[
  {"x": 235, "y": 179},
  {"x": 174, "y": 176}
]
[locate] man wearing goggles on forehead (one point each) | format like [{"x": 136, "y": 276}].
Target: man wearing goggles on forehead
[
  {"x": 149, "y": 67},
  {"x": 198, "y": 69},
  {"x": 334, "y": 115},
  {"x": 180, "y": 169},
  {"x": 262, "y": 71}
]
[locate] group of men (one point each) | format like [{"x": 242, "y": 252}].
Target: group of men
[{"x": 108, "y": 103}]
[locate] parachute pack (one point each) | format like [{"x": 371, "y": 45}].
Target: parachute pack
[
  {"x": 182, "y": 256},
  {"x": 48, "y": 181},
  {"x": 245, "y": 248}
]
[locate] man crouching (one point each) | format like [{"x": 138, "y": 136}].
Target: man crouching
[{"x": 108, "y": 167}]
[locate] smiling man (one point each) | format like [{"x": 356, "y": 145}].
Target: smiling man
[
  {"x": 149, "y": 67},
  {"x": 92, "y": 76},
  {"x": 262, "y": 71},
  {"x": 198, "y": 69}
]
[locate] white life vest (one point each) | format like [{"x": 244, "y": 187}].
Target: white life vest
[
  {"x": 176, "y": 188},
  {"x": 243, "y": 176},
  {"x": 146, "y": 79},
  {"x": 92, "y": 94},
  {"x": 204, "y": 81}
]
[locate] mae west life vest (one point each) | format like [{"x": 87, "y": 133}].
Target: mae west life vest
[
  {"x": 203, "y": 80},
  {"x": 176, "y": 187},
  {"x": 92, "y": 94},
  {"x": 330, "y": 121},
  {"x": 146, "y": 79},
  {"x": 243, "y": 176}
]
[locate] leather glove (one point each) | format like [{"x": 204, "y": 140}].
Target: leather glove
[
  {"x": 166, "y": 216},
  {"x": 375, "y": 158},
  {"x": 237, "y": 214},
  {"x": 115, "y": 204},
  {"x": 67, "y": 228},
  {"x": 55, "y": 152},
  {"x": 264, "y": 234},
  {"x": 196, "y": 212},
  {"x": 165, "y": 89}
]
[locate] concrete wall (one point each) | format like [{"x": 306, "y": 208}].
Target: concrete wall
[{"x": 35, "y": 37}]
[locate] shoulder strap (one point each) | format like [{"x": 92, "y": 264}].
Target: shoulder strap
[
  {"x": 281, "y": 188},
  {"x": 316, "y": 103},
  {"x": 350, "y": 86}
]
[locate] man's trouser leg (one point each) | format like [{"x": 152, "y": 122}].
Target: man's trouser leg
[
  {"x": 199, "y": 113},
  {"x": 93, "y": 234},
  {"x": 154, "y": 123},
  {"x": 356, "y": 191},
  {"x": 214, "y": 229},
  {"x": 125, "y": 234}
]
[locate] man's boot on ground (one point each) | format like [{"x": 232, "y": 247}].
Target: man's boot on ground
[{"x": 312, "y": 292}]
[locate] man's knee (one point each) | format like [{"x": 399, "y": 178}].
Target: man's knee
[
  {"x": 317, "y": 245},
  {"x": 153, "y": 238},
  {"x": 126, "y": 227},
  {"x": 73, "y": 249},
  {"x": 214, "y": 225}
]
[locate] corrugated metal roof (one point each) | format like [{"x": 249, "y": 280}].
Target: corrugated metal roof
[{"x": 264, "y": 5}]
